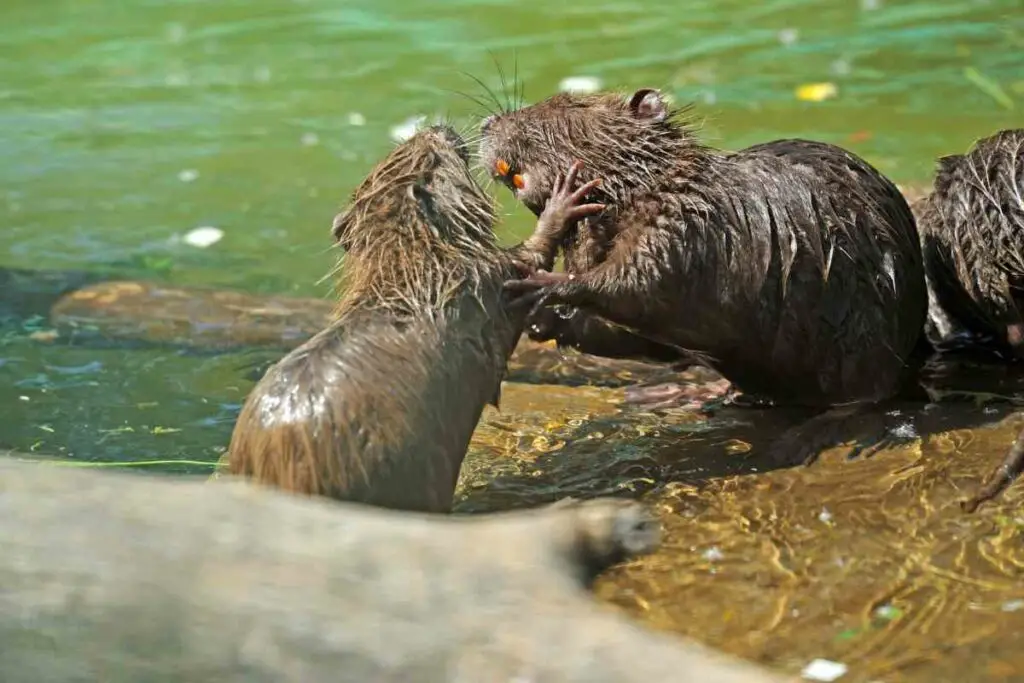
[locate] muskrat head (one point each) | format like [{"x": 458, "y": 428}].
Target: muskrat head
[
  {"x": 627, "y": 141},
  {"x": 424, "y": 191}
]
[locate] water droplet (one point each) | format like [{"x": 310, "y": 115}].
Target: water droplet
[
  {"x": 188, "y": 175},
  {"x": 356, "y": 119},
  {"x": 788, "y": 36}
]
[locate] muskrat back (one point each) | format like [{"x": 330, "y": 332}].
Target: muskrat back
[
  {"x": 792, "y": 267},
  {"x": 972, "y": 230}
]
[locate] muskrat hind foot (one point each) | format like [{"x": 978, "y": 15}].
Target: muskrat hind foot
[{"x": 871, "y": 429}]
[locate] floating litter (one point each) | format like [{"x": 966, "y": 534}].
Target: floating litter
[
  {"x": 713, "y": 554},
  {"x": 310, "y": 139},
  {"x": 406, "y": 129},
  {"x": 1013, "y": 605},
  {"x": 788, "y": 36},
  {"x": 356, "y": 119},
  {"x": 204, "y": 237},
  {"x": 816, "y": 92},
  {"x": 825, "y": 516},
  {"x": 188, "y": 175},
  {"x": 823, "y": 670},
  {"x": 580, "y": 84}
]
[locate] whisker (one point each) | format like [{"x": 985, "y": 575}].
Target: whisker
[{"x": 487, "y": 89}]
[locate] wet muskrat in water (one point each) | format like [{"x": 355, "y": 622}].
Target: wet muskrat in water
[
  {"x": 972, "y": 230},
  {"x": 792, "y": 267},
  {"x": 380, "y": 406}
]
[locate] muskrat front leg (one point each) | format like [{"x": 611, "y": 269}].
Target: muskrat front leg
[{"x": 562, "y": 210}]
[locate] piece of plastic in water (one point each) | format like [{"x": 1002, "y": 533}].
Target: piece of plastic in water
[
  {"x": 824, "y": 670},
  {"x": 816, "y": 92},
  {"x": 204, "y": 237},
  {"x": 406, "y": 129},
  {"x": 580, "y": 84}
]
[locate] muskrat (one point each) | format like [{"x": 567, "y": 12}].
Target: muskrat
[
  {"x": 972, "y": 231},
  {"x": 380, "y": 406},
  {"x": 792, "y": 267}
]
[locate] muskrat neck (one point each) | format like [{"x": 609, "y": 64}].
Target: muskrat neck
[{"x": 408, "y": 275}]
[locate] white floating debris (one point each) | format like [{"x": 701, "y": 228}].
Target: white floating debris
[
  {"x": 580, "y": 84},
  {"x": 310, "y": 139},
  {"x": 1013, "y": 605},
  {"x": 204, "y": 237},
  {"x": 824, "y": 516},
  {"x": 23, "y": 398},
  {"x": 406, "y": 129},
  {"x": 841, "y": 67},
  {"x": 713, "y": 554},
  {"x": 868, "y": 5},
  {"x": 823, "y": 670},
  {"x": 788, "y": 36},
  {"x": 356, "y": 119},
  {"x": 262, "y": 74},
  {"x": 188, "y": 175},
  {"x": 175, "y": 32}
]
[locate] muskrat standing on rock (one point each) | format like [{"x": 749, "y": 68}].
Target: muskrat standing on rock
[
  {"x": 972, "y": 229},
  {"x": 792, "y": 267},
  {"x": 379, "y": 407}
]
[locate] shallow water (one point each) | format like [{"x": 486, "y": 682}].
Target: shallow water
[{"x": 124, "y": 126}]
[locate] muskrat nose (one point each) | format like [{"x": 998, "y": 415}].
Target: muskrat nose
[{"x": 450, "y": 136}]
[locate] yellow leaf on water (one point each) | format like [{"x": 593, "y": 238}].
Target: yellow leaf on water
[{"x": 816, "y": 92}]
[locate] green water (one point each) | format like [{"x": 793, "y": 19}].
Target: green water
[{"x": 125, "y": 124}]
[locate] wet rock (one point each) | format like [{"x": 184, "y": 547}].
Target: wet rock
[{"x": 125, "y": 578}]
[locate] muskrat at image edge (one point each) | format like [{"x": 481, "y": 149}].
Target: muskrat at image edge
[
  {"x": 972, "y": 234},
  {"x": 792, "y": 267},
  {"x": 379, "y": 407}
]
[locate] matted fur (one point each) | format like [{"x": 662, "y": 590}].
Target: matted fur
[
  {"x": 792, "y": 267},
  {"x": 972, "y": 229},
  {"x": 379, "y": 407}
]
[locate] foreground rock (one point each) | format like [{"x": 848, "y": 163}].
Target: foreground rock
[{"x": 122, "y": 578}]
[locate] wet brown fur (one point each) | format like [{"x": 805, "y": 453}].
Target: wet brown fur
[
  {"x": 793, "y": 266},
  {"x": 380, "y": 406},
  {"x": 972, "y": 230}
]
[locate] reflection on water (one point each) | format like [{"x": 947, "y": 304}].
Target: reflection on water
[{"x": 126, "y": 126}]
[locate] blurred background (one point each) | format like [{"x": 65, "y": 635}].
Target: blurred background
[{"x": 124, "y": 126}]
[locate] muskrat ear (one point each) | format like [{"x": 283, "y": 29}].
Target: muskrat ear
[{"x": 647, "y": 103}]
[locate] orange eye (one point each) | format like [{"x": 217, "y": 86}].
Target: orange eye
[
  {"x": 501, "y": 166},
  {"x": 518, "y": 181}
]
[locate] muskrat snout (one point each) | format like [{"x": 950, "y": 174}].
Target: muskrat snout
[{"x": 451, "y": 137}]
